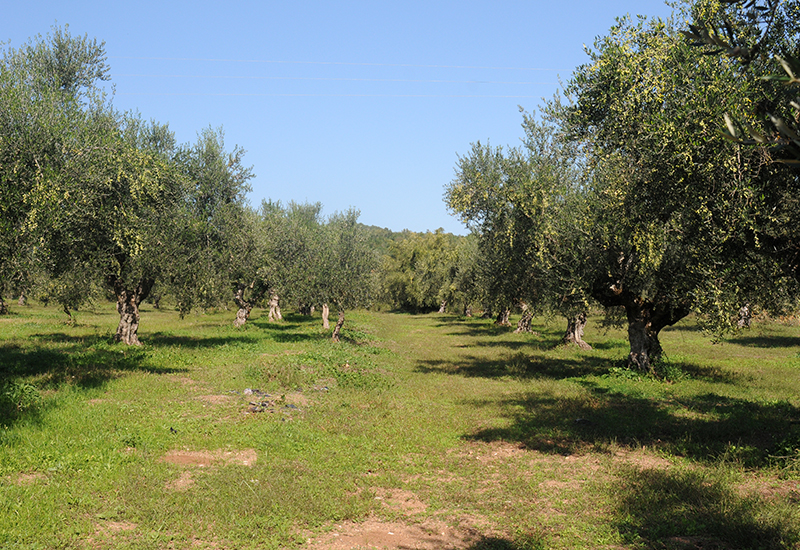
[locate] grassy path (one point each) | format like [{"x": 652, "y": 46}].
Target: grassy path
[{"x": 422, "y": 431}]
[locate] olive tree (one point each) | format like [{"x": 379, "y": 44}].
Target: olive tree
[{"x": 670, "y": 200}]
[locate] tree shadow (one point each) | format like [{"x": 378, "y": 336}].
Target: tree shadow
[
  {"x": 519, "y": 365},
  {"x": 291, "y": 329},
  {"x": 766, "y": 341},
  {"x": 705, "y": 429},
  {"x": 497, "y": 543},
  {"x": 49, "y": 362},
  {"x": 160, "y": 339},
  {"x": 692, "y": 509}
]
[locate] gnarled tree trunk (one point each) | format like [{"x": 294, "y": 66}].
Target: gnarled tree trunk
[
  {"x": 524, "y": 323},
  {"x": 128, "y": 301},
  {"x": 574, "y": 333},
  {"x": 745, "y": 316},
  {"x": 274, "y": 308},
  {"x": 3, "y": 307},
  {"x": 69, "y": 314},
  {"x": 325, "y": 314},
  {"x": 443, "y": 306},
  {"x": 646, "y": 318},
  {"x": 502, "y": 317},
  {"x": 246, "y": 305},
  {"x": 645, "y": 321},
  {"x": 338, "y": 328}
]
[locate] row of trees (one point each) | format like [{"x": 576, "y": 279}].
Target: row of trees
[
  {"x": 94, "y": 201},
  {"x": 630, "y": 195}
]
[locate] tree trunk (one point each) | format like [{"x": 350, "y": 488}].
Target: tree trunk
[
  {"x": 128, "y": 308},
  {"x": 325, "y": 314},
  {"x": 443, "y": 306},
  {"x": 274, "y": 308},
  {"x": 69, "y": 314},
  {"x": 574, "y": 332},
  {"x": 745, "y": 316},
  {"x": 3, "y": 307},
  {"x": 502, "y": 317},
  {"x": 467, "y": 310},
  {"x": 21, "y": 301},
  {"x": 338, "y": 328},
  {"x": 645, "y": 321},
  {"x": 524, "y": 323},
  {"x": 245, "y": 305}
]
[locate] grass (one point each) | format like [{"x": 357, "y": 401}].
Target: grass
[{"x": 270, "y": 436}]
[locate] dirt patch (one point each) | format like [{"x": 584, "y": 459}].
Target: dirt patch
[
  {"x": 118, "y": 526},
  {"x": 28, "y": 478},
  {"x": 771, "y": 488},
  {"x": 374, "y": 533},
  {"x": 400, "y": 500},
  {"x": 205, "y": 459},
  {"x": 643, "y": 460},
  {"x": 183, "y": 483},
  {"x": 216, "y": 399},
  {"x": 492, "y": 451},
  {"x": 185, "y": 381},
  {"x": 297, "y": 399}
]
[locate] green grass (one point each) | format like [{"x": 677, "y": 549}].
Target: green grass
[{"x": 426, "y": 420}]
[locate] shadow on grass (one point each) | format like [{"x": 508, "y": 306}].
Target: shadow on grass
[
  {"x": 692, "y": 509},
  {"x": 496, "y": 543},
  {"x": 766, "y": 341},
  {"x": 520, "y": 366},
  {"x": 293, "y": 328},
  {"x": 51, "y": 361},
  {"x": 168, "y": 339},
  {"x": 707, "y": 428}
]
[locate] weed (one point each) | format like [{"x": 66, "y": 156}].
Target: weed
[{"x": 17, "y": 398}]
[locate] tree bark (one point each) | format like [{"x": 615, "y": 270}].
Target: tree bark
[
  {"x": 574, "y": 332},
  {"x": 325, "y": 314},
  {"x": 645, "y": 321},
  {"x": 69, "y": 314},
  {"x": 3, "y": 307},
  {"x": 502, "y": 317},
  {"x": 128, "y": 301},
  {"x": 21, "y": 301},
  {"x": 246, "y": 305},
  {"x": 467, "y": 310},
  {"x": 646, "y": 318},
  {"x": 745, "y": 316},
  {"x": 338, "y": 328},
  {"x": 274, "y": 308},
  {"x": 524, "y": 323},
  {"x": 443, "y": 306}
]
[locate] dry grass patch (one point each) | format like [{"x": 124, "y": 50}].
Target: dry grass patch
[
  {"x": 400, "y": 501},
  {"x": 216, "y": 399},
  {"x": 183, "y": 483},
  {"x": 202, "y": 459},
  {"x": 28, "y": 478}
]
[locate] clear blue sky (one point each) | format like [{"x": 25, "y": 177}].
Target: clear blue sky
[{"x": 351, "y": 104}]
